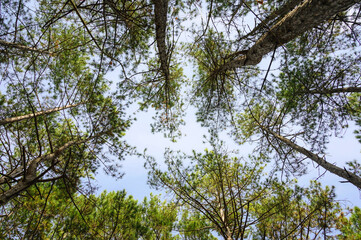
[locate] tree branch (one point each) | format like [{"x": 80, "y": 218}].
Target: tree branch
[
  {"x": 31, "y": 172},
  {"x": 279, "y": 13},
  {"x": 23, "y": 47},
  {"x": 343, "y": 173},
  {"x": 334, "y": 90},
  {"x": 302, "y": 18},
  {"x": 31, "y": 115}
]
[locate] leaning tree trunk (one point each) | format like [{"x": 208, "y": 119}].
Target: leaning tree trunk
[
  {"x": 341, "y": 172},
  {"x": 160, "y": 20},
  {"x": 302, "y": 18},
  {"x": 31, "y": 115},
  {"x": 334, "y": 90},
  {"x": 29, "y": 172},
  {"x": 274, "y": 16},
  {"x": 23, "y": 47}
]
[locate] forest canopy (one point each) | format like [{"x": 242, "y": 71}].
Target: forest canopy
[{"x": 283, "y": 75}]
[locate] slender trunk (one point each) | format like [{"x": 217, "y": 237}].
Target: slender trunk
[
  {"x": 334, "y": 90},
  {"x": 30, "y": 173},
  {"x": 23, "y": 47},
  {"x": 31, "y": 115},
  {"x": 302, "y": 18},
  {"x": 224, "y": 219},
  {"x": 343, "y": 173}
]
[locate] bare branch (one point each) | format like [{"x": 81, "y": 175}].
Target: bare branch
[
  {"x": 31, "y": 172},
  {"x": 343, "y": 173},
  {"x": 20, "y": 118},
  {"x": 23, "y": 47},
  {"x": 335, "y": 90}
]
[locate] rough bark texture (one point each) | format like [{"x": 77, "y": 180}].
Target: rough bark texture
[
  {"x": 343, "y": 173},
  {"x": 19, "y": 118},
  {"x": 304, "y": 17},
  {"x": 277, "y": 14},
  {"x": 160, "y": 20},
  {"x": 30, "y": 174},
  {"x": 23, "y": 48}
]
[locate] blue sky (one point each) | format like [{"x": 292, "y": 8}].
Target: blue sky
[
  {"x": 134, "y": 182},
  {"x": 339, "y": 151}
]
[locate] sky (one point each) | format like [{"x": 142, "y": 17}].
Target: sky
[
  {"x": 134, "y": 181},
  {"x": 340, "y": 150}
]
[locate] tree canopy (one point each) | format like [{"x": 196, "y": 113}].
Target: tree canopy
[{"x": 281, "y": 74}]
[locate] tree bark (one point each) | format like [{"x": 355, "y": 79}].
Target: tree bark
[
  {"x": 160, "y": 20},
  {"x": 30, "y": 173},
  {"x": 334, "y": 90},
  {"x": 302, "y": 18},
  {"x": 343, "y": 173},
  {"x": 23, "y": 48},
  {"x": 277, "y": 14},
  {"x": 20, "y": 118}
]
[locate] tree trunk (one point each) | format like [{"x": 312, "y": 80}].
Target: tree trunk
[
  {"x": 343, "y": 173},
  {"x": 19, "y": 118},
  {"x": 302, "y": 18},
  {"x": 160, "y": 19},
  {"x": 30, "y": 171},
  {"x": 23, "y": 48},
  {"x": 334, "y": 90},
  {"x": 277, "y": 14}
]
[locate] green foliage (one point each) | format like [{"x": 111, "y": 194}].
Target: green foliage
[
  {"x": 109, "y": 215},
  {"x": 236, "y": 199},
  {"x": 212, "y": 90},
  {"x": 34, "y": 214},
  {"x": 58, "y": 56},
  {"x": 194, "y": 226},
  {"x": 57, "y": 213},
  {"x": 52, "y": 67},
  {"x": 307, "y": 80},
  {"x": 305, "y": 213},
  {"x": 160, "y": 218},
  {"x": 351, "y": 228}
]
